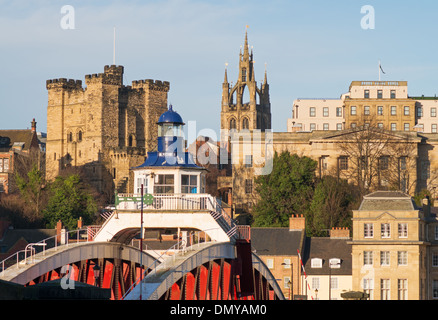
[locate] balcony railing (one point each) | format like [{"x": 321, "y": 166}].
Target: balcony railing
[{"x": 164, "y": 201}]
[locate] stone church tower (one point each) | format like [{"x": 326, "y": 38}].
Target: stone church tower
[
  {"x": 244, "y": 105},
  {"x": 105, "y": 128}
]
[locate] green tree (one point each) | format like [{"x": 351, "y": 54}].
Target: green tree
[
  {"x": 31, "y": 187},
  {"x": 331, "y": 206},
  {"x": 69, "y": 200},
  {"x": 287, "y": 190}
]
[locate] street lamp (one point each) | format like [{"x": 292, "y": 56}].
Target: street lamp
[
  {"x": 291, "y": 289},
  {"x": 96, "y": 271},
  {"x": 332, "y": 263}
]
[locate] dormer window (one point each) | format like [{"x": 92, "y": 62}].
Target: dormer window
[
  {"x": 316, "y": 263},
  {"x": 335, "y": 263}
]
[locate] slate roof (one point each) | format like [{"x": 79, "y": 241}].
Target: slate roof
[
  {"x": 387, "y": 201},
  {"x": 11, "y": 236},
  {"x": 326, "y": 249},
  {"x": 156, "y": 159},
  {"x": 276, "y": 241},
  {"x": 25, "y": 137}
]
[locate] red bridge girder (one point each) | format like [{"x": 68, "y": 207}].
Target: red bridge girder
[
  {"x": 115, "y": 274},
  {"x": 218, "y": 280}
]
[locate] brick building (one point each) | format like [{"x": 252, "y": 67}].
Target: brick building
[{"x": 13, "y": 145}]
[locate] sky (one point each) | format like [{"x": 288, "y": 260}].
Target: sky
[{"x": 311, "y": 49}]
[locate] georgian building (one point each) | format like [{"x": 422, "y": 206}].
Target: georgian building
[{"x": 395, "y": 248}]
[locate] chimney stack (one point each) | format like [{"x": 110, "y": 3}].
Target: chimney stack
[
  {"x": 426, "y": 206},
  {"x": 33, "y": 125},
  {"x": 339, "y": 233},
  {"x": 297, "y": 222}
]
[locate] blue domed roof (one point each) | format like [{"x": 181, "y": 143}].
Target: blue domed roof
[{"x": 170, "y": 116}]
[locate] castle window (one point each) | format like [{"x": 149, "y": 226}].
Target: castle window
[
  {"x": 245, "y": 123},
  {"x": 131, "y": 141},
  {"x": 70, "y": 137},
  {"x": 79, "y": 136}
]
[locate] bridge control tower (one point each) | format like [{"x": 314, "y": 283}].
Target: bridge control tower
[{"x": 175, "y": 186}]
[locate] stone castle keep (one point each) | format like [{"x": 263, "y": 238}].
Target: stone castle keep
[{"x": 105, "y": 128}]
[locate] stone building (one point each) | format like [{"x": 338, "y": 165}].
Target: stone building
[
  {"x": 384, "y": 104},
  {"x": 395, "y": 248},
  {"x": 105, "y": 128}
]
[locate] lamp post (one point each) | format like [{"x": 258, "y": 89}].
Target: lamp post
[
  {"x": 336, "y": 262},
  {"x": 96, "y": 271},
  {"x": 291, "y": 289}
]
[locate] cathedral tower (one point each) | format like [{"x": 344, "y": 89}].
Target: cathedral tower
[{"x": 244, "y": 105}]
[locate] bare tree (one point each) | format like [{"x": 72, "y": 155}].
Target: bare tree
[{"x": 378, "y": 158}]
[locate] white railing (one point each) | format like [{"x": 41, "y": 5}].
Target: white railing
[
  {"x": 172, "y": 201},
  {"x": 27, "y": 256},
  {"x": 179, "y": 201}
]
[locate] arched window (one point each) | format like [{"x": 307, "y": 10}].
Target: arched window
[
  {"x": 243, "y": 74},
  {"x": 232, "y": 123},
  {"x": 245, "y": 123},
  {"x": 79, "y": 136},
  {"x": 70, "y": 137}
]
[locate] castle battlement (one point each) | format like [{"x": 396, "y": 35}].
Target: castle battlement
[
  {"x": 94, "y": 75},
  {"x": 63, "y": 83},
  {"x": 113, "y": 69},
  {"x": 151, "y": 84}
]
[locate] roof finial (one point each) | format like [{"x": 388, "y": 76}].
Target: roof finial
[
  {"x": 170, "y": 107},
  {"x": 226, "y": 77},
  {"x": 245, "y": 47}
]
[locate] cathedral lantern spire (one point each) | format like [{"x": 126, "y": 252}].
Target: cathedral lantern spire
[
  {"x": 244, "y": 105},
  {"x": 245, "y": 47}
]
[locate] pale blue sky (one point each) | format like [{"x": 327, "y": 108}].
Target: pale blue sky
[{"x": 312, "y": 49}]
